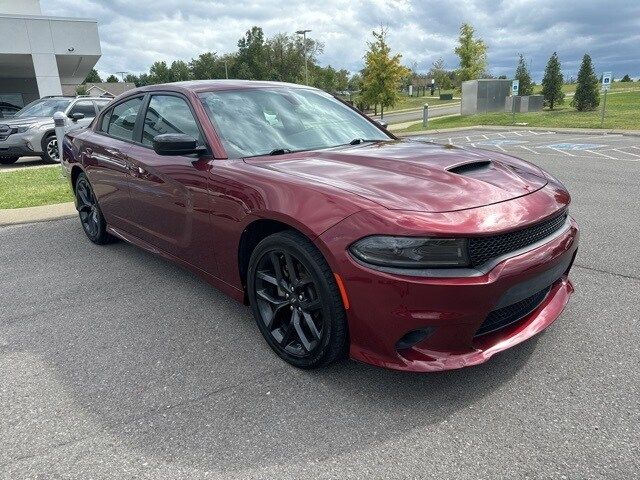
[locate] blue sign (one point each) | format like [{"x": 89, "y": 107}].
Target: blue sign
[{"x": 515, "y": 86}]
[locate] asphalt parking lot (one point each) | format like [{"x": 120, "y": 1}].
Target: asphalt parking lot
[{"x": 117, "y": 364}]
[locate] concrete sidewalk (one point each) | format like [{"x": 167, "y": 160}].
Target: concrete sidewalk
[{"x": 14, "y": 216}]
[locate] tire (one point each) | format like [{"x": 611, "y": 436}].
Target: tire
[
  {"x": 302, "y": 319},
  {"x": 50, "y": 149},
  {"x": 91, "y": 217},
  {"x": 8, "y": 160}
]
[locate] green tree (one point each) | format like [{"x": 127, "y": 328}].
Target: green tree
[
  {"x": 626, "y": 78},
  {"x": 472, "y": 53},
  {"x": 206, "y": 66},
  {"x": 131, "y": 78},
  {"x": 180, "y": 71},
  {"x": 382, "y": 74},
  {"x": 93, "y": 77},
  {"x": 586, "y": 96},
  {"x": 439, "y": 73},
  {"x": 112, "y": 79},
  {"x": 81, "y": 89},
  {"x": 252, "y": 56},
  {"x": 522, "y": 74},
  {"x": 552, "y": 83},
  {"x": 159, "y": 73}
]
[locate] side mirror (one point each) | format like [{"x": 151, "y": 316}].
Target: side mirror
[
  {"x": 76, "y": 116},
  {"x": 176, "y": 144},
  {"x": 382, "y": 123}
]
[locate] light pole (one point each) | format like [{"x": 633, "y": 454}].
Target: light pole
[
  {"x": 122, "y": 74},
  {"x": 304, "y": 40}
]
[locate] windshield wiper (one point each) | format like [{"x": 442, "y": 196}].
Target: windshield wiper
[
  {"x": 279, "y": 151},
  {"x": 358, "y": 141}
]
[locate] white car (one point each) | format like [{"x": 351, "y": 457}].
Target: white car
[{"x": 31, "y": 131}]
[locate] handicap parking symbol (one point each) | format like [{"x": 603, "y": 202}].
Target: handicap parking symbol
[
  {"x": 499, "y": 142},
  {"x": 573, "y": 146}
]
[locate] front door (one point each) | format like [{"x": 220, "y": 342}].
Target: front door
[
  {"x": 108, "y": 164},
  {"x": 171, "y": 193}
]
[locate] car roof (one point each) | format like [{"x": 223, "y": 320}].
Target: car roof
[{"x": 212, "y": 85}]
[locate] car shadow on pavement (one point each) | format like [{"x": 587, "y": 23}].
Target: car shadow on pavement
[{"x": 138, "y": 349}]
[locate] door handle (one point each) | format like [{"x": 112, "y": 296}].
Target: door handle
[{"x": 89, "y": 151}]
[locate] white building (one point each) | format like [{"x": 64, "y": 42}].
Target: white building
[{"x": 42, "y": 55}]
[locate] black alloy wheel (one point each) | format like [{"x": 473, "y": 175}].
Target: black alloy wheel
[
  {"x": 91, "y": 217},
  {"x": 295, "y": 300}
]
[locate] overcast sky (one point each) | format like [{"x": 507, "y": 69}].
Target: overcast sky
[{"x": 134, "y": 34}]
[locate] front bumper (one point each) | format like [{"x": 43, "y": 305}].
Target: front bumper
[
  {"x": 384, "y": 307},
  {"x": 19, "y": 145}
]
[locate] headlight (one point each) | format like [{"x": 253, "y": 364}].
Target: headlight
[
  {"x": 24, "y": 128},
  {"x": 411, "y": 252}
]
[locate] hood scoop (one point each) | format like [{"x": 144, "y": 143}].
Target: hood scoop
[{"x": 465, "y": 168}]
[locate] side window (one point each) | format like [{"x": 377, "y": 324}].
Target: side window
[
  {"x": 85, "y": 107},
  {"x": 104, "y": 124},
  {"x": 101, "y": 104},
  {"x": 169, "y": 114},
  {"x": 122, "y": 118}
]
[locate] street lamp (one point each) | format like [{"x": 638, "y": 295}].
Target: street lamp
[{"x": 304, "y": 40}]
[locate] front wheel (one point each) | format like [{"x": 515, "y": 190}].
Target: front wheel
[
  {"x": 295, "y": 301},
  {"x": 8, "y": 160},
  {"x": 91, "y": 217},
  {"x": 50, "y": 149}
]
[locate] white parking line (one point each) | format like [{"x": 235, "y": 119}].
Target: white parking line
[
  {"x": 628, "y": 153},
  {"x": 529, "y": 149},
  {"x": 517, "y": 133},
  {"x": 561, "y": 151},
  {"x": 601, "y": 154}
]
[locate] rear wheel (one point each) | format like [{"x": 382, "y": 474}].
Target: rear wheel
[
  {"x": 50, "y": 149},
  {"x": 8, "y": 160},
  {"x": 91, "y": 217},
  {"x": 295, "y": 301}
]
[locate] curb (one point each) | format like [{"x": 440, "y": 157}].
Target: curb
[
  {"x": 43, "y": 213},
  {"x": 583, "y": 131}
]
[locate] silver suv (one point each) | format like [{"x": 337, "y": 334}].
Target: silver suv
[{"x": 31, "y": 132}]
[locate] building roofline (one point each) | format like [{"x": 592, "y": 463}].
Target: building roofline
[{"x": 46, "y": 17}]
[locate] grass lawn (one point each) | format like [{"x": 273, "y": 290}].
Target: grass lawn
[
  {"x": 623, "y": 112},
  {"x": 30, "y": 187}
]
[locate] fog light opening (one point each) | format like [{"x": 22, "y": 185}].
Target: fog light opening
[{"x": 413, "y": 337}]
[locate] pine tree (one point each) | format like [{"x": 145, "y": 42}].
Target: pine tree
[
  {"x": 93, "y": 77},
  {"x": 382, "y": 74},
  {"x": 522, "y": 74},
  {"x": 552, "y": 83},
  {"x": 586, "y": 96}
]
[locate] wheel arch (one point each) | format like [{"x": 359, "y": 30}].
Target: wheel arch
[
  {"x": 76, "y": 170},
  {"x": 256, "y": 231}
]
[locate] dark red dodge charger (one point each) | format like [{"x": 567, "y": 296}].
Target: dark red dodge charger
[{"x": 341, "y": 237}]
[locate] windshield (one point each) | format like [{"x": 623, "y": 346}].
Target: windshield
[
  {"x": 44, "y": 108},
  {"x": 254, "y": 122}
]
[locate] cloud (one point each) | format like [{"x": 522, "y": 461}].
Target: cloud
[{"x": 135, "y": 34}]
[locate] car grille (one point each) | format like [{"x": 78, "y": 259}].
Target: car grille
[
  {"x": 483, "y": 249},
  {"x": 505, "y": 316}
]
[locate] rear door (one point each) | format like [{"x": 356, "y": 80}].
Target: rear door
[
  {"x": 171, "y": 193},
  {"x": 108, "y": 163}
]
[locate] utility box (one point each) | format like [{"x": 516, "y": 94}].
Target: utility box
[
  {"x": 484, "y": 95},
  {"x": 525, "y": 103}
]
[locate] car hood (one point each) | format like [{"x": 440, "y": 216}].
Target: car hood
[
  {"x": 411, "y": 175},
  {"x": 14, "y": 122}
]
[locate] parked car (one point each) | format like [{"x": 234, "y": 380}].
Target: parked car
[
  {"x": 31, "y": 132},
  {"x": 340, "y": 236}
]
